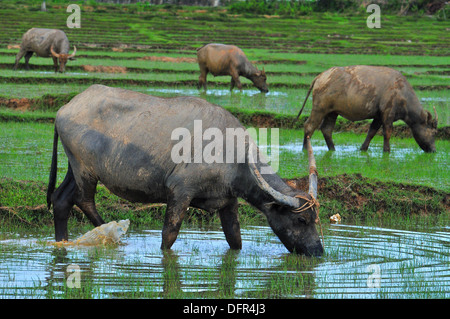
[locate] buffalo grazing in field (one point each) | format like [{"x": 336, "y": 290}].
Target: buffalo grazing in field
[
  {"x": 368, "y": 92},
  {"x": 45, "y": 43},
  {"x": 221, "y": 59}
]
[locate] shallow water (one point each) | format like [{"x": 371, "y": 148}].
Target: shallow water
[
  {"x": 279, "y": 101},
  {"x": 345, "y": 150},
  {"x": 213, "y": 92},
  {"x": 360, "y": 262}
]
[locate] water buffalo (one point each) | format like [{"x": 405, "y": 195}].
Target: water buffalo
[
  {"x": 221, "y": 59},
  {"x": 45, "y": 43},
  {"x": 368, "y": 92},
  {"x": 124, "y": 139}
]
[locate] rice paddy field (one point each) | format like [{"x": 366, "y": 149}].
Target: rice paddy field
[{"x": 394, "y": 237}]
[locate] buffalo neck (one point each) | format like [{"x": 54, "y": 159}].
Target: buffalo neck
[{"x": 249, "y": 70}]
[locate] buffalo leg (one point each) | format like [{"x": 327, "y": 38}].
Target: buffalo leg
[
  {"x": 230, "y": 224},
  {"x": 235, "y": 81},
  {"x": 85, "y": 200},
  {"x": 327, "y": 128},
  {"x": 55, "y": 64},
  {"x": 202, "y": 77},
  {"x": 175, "y": 212},
  {"x": 27, "y": 58},
  {"x": 387, "y": 131},
  {"x": 19, "y": 56},
  {"x": 69, "y": 194},
  {"x": 310, "y": 126},
  {"x": 63, "y": 202},
  {"x": 373, "y": 129}
]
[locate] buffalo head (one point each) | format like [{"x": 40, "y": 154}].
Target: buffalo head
[
  {"x": 293, "y": 217},
  {"x": 425, "y": 131},
  {"x": 63, "y": 58},
  {"x": 259, "y": 80}
]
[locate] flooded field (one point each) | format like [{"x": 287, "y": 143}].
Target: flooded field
[{"x": 359, "y": 262}]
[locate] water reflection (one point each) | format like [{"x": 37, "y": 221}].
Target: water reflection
[
  {"x": 410, "y": 263},
  {"x": 297, "y": 147}
]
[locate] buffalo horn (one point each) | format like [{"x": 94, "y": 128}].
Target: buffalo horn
[
  {"x": 56, "y": 55},
  {"x": 312, "y": 170},
  {"x": 74, "y": 52},
  {"x": 277, "y": 196}
]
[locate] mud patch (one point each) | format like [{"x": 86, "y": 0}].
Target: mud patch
[
  {"x": 46, "y": 102},
  {"x": 104, "y": 69},
  {"x": 13, "y": 46},
  {"x": 16, "y": 104},
  {"x": 169, "y": 59}
]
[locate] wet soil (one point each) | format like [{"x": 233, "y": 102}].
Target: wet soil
[{"x": 104, "y": 69}]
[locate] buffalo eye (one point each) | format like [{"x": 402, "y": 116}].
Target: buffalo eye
[{"x": 301, "y": 220}]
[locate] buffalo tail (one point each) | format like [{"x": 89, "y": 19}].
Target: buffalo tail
[
  {"x": 307, "y": 95},
  {"x": 53, "y": 169}
]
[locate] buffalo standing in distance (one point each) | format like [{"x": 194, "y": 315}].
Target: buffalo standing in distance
[
  {"x": 221, "y": 59},
  {"x": 124, "y": 140},
  {"x": 46, "y": 43},
  {"x": 368, "y": 92}
]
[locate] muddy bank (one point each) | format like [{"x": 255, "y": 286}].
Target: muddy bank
[
  {"x": 46, "y": 102},
  {"x": 104, "y": 69},
  {"x": 352, "y": 196}
]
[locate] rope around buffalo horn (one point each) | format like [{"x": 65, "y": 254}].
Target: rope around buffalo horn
[{"x": 309, "y": 202}]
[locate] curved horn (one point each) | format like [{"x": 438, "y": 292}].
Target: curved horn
[
  {"x": 73, "y": 53},
  {"x": 56, "y": 55},
  {"x": 280, "y": 198},
  {"x": 312, "y": 169}
]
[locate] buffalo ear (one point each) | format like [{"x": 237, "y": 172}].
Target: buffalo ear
[
  {"x": 435, "y": 121},
  {"x": 429, "y": 117}
]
